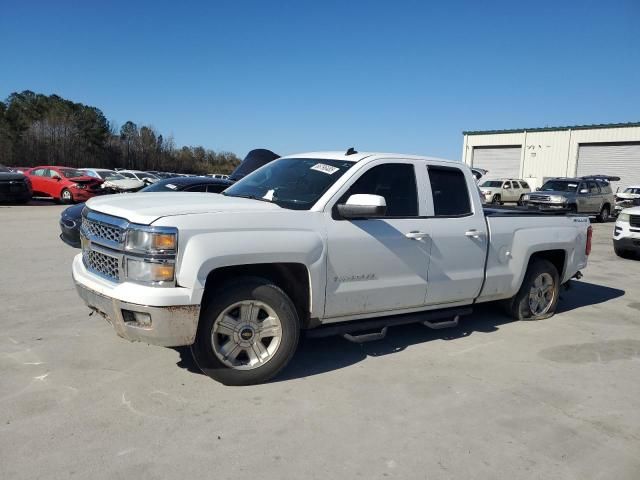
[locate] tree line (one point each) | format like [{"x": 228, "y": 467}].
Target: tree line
[{"x": 37, "y": 129}]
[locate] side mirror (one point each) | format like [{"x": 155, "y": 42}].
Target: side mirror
[
  {"x": 538, "y": 189},
  {"x": 507, "y": 186},
  {"x": 363, "y": 206},
  {"x": 57, "y": 178},
  {"x": 584, "y": 191}
]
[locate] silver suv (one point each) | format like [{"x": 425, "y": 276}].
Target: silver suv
[{"x": 590, "y": 195}]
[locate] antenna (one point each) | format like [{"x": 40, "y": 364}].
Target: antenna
[{"x": 351, "y": 151}]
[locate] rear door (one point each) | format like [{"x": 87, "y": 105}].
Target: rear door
[{"x": 458, "y": 235}]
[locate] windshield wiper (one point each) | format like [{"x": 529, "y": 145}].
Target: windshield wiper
[{"x": 247, "y": 195}]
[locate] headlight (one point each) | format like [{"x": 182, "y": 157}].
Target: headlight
[
  {"x": 624, "y": 217},
  {"x": 145, "y": 271},
  {"x": 486, "y": 192},
  {"x": 152, "y": 242},
  {"x": 557, "y": 199},
  {"x": 80, "y": 186},
  {"x": 525, "y": 196}
]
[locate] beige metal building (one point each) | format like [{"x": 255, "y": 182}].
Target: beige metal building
[{"x": 536, "y": 154}]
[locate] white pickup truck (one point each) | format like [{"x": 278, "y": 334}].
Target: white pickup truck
[{"x": 326, "y": 243}]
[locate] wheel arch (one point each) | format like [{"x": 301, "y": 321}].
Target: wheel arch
[
  {"x": 557, "y": 257},
  {"x": 293, "y": 278}
]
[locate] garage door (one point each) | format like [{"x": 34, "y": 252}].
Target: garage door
[
  {"x": 618, "y": 159},
  {"x": 502, "y": 162}
]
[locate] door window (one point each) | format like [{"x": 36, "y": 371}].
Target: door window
[
  {"x": 396, "y": 182},
  {"x": 39, "y": 172},
  {"x": 449, "y": 190},
  {"x": 593, "y": 188},
  {"x": 524, "y": 184}
]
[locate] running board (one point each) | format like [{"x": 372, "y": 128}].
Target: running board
[
  {"x": 444, "y": 324},
  {"x": 431, "y": 318},
  {"x": 366, "y": 337}
]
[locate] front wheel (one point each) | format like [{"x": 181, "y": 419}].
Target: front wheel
[
  {"x": 247, "y": 334},
  {"x": 538, "y": 296},
  {"x": 66, "y": 196},
  {"x": 496, "y": 200}
]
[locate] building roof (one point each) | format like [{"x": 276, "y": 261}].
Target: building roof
[{"x": 550, "y": 129}]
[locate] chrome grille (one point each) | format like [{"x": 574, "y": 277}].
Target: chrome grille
[
  {"x": 102, "y": 264},
  {"x": 101, "y": 231},
  {"x": 540, "y": 198}
]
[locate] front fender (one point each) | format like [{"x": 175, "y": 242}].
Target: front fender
[{"x": 206, "y": 252}]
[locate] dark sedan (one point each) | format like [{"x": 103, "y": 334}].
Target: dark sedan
[{"x": 14, "y": 187}]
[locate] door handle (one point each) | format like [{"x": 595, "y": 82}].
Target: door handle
[
  {"x": 415, "y": 235},
  {"x": 473, "y": 233}
]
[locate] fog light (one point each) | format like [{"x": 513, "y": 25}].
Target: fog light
[{"x": 138, "y": 319}]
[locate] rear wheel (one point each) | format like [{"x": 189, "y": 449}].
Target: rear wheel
[
  {"x": 604, "y": 214},
  {"x": 247, "y": 333},
  {"x": 66, "y": 196},
  {"x": 538, "y": 296}
]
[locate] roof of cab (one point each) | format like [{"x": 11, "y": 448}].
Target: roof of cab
[{"x": 356, "y": 157}]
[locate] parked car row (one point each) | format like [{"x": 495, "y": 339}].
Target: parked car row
[
  {"x": 71, "y": 218},
  {"x": 73, "y": 185}
]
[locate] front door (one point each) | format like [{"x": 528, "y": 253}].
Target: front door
[{"x": 379, "y": 264}]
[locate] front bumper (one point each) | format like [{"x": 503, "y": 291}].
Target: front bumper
[
  {"x": 545, "y": 206},
  {"x": 70, "y": 232},
  {"x": 169, "y": 326},
  {"x": 627, "y": 243},
  {"x": 169, "y": 320}
]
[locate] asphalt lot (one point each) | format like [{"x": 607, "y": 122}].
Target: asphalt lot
[{"x": 491, "y": 398}]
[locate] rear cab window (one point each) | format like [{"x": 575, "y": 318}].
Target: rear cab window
[{"x": 449, "y": 191}]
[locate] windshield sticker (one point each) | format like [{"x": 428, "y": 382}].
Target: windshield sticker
[
  {"x": 269, "y": 195},
  {"x": 328, "y": 169},
  {"x": 171, "y": 186}
]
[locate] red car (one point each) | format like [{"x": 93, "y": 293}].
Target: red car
[{"x": 64, "y": 184}]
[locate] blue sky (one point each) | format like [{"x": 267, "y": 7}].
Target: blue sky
[{"x": 403, "y": 76}]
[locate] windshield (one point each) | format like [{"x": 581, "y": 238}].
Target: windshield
[
  {"x": 147, "y": 176},
  {"x": 559, "y": 186},
  {"x": 72, "y": 173},
  {"x": 108, "y": 175},
  {"x": 492, "y": 183},
  {"x": 294, "y": 183},
  {"x": 632, "y": 190}
]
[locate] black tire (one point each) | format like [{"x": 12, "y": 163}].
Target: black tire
[
  {"x": 573, "y": 209},
  {"x": 496, "y": 200},
  {"x": 66, "y": 196},
  {"x": 520, "y": 203},
  {"x": 518, "y": 307},
  {"x": 243, "y": 289},
  {"x": 604, "y": 214}
]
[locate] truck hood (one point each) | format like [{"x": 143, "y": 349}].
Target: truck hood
[
  {"x": 146, "y": 208},
  {"x": 627, "y": 196}
]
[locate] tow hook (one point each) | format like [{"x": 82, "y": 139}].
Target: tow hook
[{"x": 578, "y": 275}]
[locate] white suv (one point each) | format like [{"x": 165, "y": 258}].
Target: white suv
[{"x": 504, "y": 190}]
